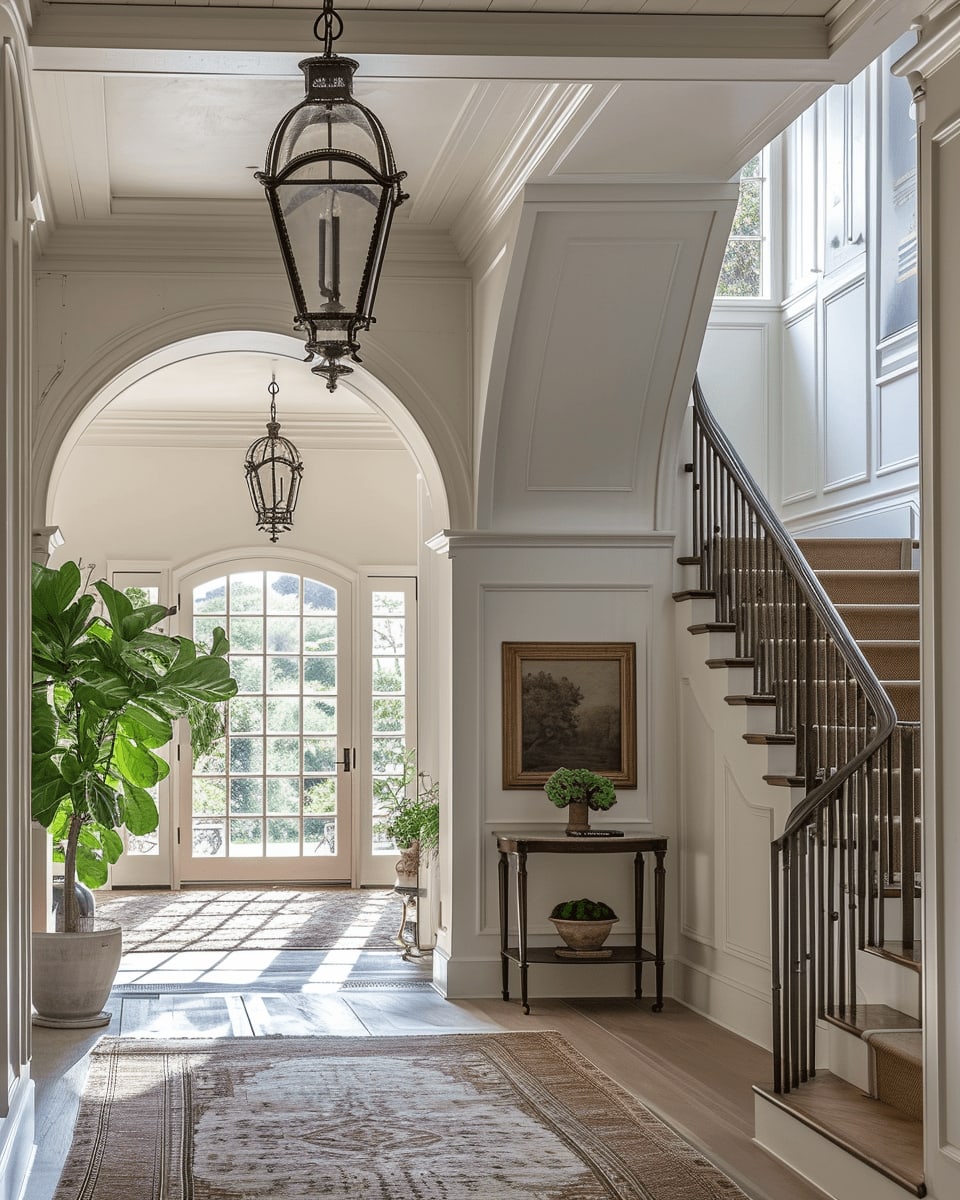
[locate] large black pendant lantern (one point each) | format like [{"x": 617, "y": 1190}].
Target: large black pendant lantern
[
  {"x": 332, "y": 186},
  {"x": 274, "y": 469}
]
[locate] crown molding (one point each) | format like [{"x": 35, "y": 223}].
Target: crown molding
[
  {"x": 193, "y": 429},
  {"x": 939, "y": 42},
  {"x": 225, "y": 245}
]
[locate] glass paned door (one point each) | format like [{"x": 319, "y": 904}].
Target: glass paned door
[{"x": 271, "y": 798}]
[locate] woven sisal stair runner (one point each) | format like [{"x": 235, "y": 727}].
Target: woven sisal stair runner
[{"x": 898, "y": 1069}]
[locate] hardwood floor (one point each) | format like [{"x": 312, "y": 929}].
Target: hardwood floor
[{"x": 693, "y": 1074}]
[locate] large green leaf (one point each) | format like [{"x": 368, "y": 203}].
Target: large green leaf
[
  {"x": 205, "y": 679},
  {"x": 118, "y": 605},
  {"x": 94, "y": 798},
  {"x": 102, "y": 840},
  {"x": 43, "y": 722},
  {"x": 137, "y": 764},
  {"x": 146, "y": 727},
  {"x": 140, "y": 620},
  {"x": 53, "y": 590},
  {"x": 91, "y": 867},
  {"x": 139, "y": 811},
  {"x": 46, "y": 797},
  {"x": 109, "y": 694}
]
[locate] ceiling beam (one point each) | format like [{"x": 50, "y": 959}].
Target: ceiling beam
[{"x": 431, "y": 43}]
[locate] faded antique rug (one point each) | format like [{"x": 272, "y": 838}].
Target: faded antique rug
[
  {"x": 267, "y": 919},
  {"x": 512, "y": 1116}
]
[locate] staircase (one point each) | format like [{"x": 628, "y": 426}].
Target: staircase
[{"x": 826, "y": 632}]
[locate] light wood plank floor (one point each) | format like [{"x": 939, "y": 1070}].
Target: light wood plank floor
[{"x": 693, "y": 1074}]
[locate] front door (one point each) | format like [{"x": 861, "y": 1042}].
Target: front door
[{"x": 271, "y": 798}]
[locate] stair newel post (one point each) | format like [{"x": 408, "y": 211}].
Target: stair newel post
[{"x": 776, "y": 987}]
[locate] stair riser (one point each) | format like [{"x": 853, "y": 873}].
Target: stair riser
[
  {"x": 882, "y": 981},
  {"x": 824, "y": 1164},
  {"x": 882, "y": 621},
  {"x": 890, "y": 554},
  {"x": 883, "y": 589}
]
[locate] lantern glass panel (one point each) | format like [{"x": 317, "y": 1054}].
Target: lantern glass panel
[
  {"x": 330, "y": 230},
  {"x": 314, "y": 128}
]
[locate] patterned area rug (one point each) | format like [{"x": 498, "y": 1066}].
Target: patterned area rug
[
  {"x": 511, "y": 1116},
  {"x": 270, "y": 919}
]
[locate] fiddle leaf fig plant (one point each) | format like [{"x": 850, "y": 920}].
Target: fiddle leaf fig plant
[{"x": 106, "y": 691}]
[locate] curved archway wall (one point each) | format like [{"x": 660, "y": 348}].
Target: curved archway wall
[{"x": 134, "y": 483}]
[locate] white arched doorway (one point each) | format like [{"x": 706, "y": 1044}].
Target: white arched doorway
[{"x": 149, "y": 482}]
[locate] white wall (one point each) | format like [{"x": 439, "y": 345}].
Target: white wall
[
  {"x": 818, "y": 387},
  {"x": 177, "y": 504},
  {"x": 542, "y": 588}
]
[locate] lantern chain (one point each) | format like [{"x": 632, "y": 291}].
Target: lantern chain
[{"x": 332, "y": 27}]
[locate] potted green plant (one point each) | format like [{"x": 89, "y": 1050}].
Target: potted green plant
[
  {"x": 580, "y": 790},
  {"x": 412, "y": 818},
  {"x": 106, "y": 691},
  {"x": 584, "y": 926}
]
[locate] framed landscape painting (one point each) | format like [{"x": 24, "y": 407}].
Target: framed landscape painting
[{"x": 569, "y": 704}]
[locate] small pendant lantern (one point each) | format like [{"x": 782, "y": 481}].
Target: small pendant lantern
[
  {"x": 274, "y": 469},
  {"x": 332, "y": 186}
]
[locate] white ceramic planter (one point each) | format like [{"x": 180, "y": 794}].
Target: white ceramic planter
[{"x": 72, "y": 976}]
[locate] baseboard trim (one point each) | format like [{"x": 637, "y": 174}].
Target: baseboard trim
[{"x": 17, "y": 1139}]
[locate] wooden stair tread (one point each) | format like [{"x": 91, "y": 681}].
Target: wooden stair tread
[
  {"x": 694, "y": 594},
  {"x": 770, "y": 739},
  {"x": 751, "y": 700},
  {"x": 861, "y": 1018},
  {"x": 784, "y": 780},
  {"x": 875, "y": 1133},
  {"x": 716, "y": 663},
  {"x": 907, "y": 956},
  {"x": 712, "y": 627}
]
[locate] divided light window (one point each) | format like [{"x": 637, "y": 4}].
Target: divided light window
[
  {"x": 392, "y": 630},
  {"x": 742, "y": 273}
]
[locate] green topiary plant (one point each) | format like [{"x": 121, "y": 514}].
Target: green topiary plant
[
  {"x": 583, "y": 910},
  {"x": 577, "y": 785}
]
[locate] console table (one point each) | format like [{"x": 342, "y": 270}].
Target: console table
[{"x": 521, "y": 845}]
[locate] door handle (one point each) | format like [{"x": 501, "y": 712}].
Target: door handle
[{"x": 346, "y": 758}]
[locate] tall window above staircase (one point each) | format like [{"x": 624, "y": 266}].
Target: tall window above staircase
[{"x": 745, "y": 264}]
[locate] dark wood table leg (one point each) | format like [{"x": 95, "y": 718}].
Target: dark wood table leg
[
  {"x": 638, "y": 920},
  {"x": 503, "y": 871},
  {"x": 660, "y": 876},
  {"x": 522, "y": 923}
]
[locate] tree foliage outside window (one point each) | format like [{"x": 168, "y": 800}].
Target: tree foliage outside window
[{"x": 741, "y": 275}]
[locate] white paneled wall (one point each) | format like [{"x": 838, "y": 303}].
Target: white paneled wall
[{"x": 818, "y": 386}]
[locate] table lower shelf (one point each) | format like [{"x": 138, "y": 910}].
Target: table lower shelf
[{"x": 545, "y": 954}]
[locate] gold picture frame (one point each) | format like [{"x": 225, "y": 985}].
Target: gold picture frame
[{"x": 569, "y": 704}]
